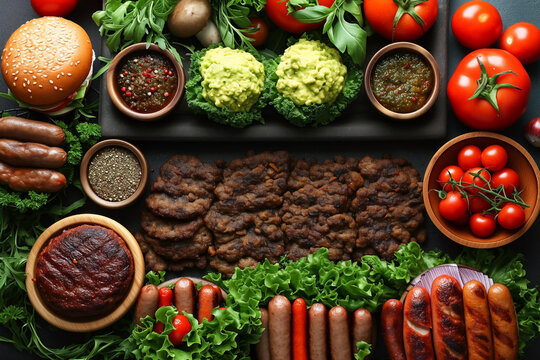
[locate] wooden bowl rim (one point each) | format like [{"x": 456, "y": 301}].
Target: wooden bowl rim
[
  {"x": 481, "y": 243},
  {"x": 93, "y": 323}
]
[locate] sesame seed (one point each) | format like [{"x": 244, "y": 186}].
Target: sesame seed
[
  {"x": 30, "y": 91},
  {"x": 50, "y": 81},
  {"x": 56, "y": 88}
]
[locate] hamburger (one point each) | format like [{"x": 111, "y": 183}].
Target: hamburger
[{"x": 47, "y": 65}]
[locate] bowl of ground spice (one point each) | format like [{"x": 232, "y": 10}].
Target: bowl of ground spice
[{"x": 114, "y": 173}]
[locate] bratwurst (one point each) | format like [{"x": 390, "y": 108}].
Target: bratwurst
[
  {"x": 26, "y": 179},
  {"x": 29, "y": 154},
  {"x": 31, "y": 130}
]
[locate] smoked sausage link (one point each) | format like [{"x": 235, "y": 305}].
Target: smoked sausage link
[
  {"x": 362, "y": 328},
  {"x": 184, "y": 295},
  {"x": 27, "y": 154},
  {"x": 208, "y": 300},
  {"x": 318, "y": 332},
  {"x": 26, "y": 179},
  {"x": 504, "y": 322},
  {"x": 417, "y": 325},
  {"x": 17, "y": 128},
  {"x": 477, "y": 321},
  {"x": 392, "y": 328},
  {"x": 448, "y": 321},
  {"x": 262, "y": 349},
  {"x": 340, "y": 342},
  {"x": 279, "y": 326},
  {"x": 147, "y": 303}
]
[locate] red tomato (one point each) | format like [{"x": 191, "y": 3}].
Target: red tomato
[
  {"x": 469, "y": 157},
  {"x": 165, "y": 296},
  {"x": 477, "y": 204},
  {"x": 507, "y": 178},
  {"x": 453, "y": 171},
  {"x": 523, "y": 41},
  {"x": 480, "y": 113},
  {"x": 261, "y": 34},
  {"x": 482, "y": 225},
  {"x": 453, "y": 206},
  {"x": 277, "y": 12},
  {"x": 476, "y": 24},
  {"x": 380, "y": 15},
  {"x": 494, "y": 158},
  {"x": 181, "y": 328},
  {"x": 511, "y": 216},
  {"x": 53, "y": 7},
  {"x": 473, "y": 176}
]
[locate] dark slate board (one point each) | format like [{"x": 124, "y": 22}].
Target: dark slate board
[{"x": 360, "y": 122}]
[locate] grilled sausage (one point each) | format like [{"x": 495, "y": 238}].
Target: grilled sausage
[
  {"x": 448, "y": 322},
  {"x": 477, "y": 321},
  {"x": 417, "y": 325},
  {"x": 17, "y": 153},
  {"x": 299, "y": 330},
  {"x": 147, "y": 303},
  {"x": 392, "y": 329},
  {"x": 362, "y": 328},
  {"x": 317, "y": 332},
  {"x": 504, "y": 322},
  {"x": 340, "y": 342},
  {"x": 184, "y": 295},
  {"x": 208, "y": 300},
  {"x": 26, "y": 179},
  {"x": 262, "y": 349},
  {"x": 279, "y": 326},
  {"x": 30, "y": 130}
]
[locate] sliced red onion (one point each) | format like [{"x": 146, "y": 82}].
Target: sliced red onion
[
  {"x": 532, "y": 131},
  {"x": 461, "y": 273}
]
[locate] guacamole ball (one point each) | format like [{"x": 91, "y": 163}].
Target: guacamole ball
[
  {"x": 311, "y": 72},
  {"x": 232, "y": 78}
]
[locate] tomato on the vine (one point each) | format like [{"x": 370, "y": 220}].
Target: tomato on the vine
[
  {"x": 474, "y": 177},
  {"x": 482, "y": 225},
  {"x": 508, "y": 178},
  {"x": 53, "y": 7},
  {"x": 453, "y": 206},
  {"x": 523, "y": 41},
  {"x": 401, "y": 20},
  {"x": 452, "y": 171},
  {"x": 489, "y": 89},
  {"x": 469, "y": 157},
  {"x": 511, "y": 216},
  {"x": 494, "y": 158},
  {"x": 260, "y": 33},
  {"x": 476, "y": 24},
  {"x": 277, "y": 12}
]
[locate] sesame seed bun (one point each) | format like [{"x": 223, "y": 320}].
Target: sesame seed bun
[{"x": 46, "y": 60}]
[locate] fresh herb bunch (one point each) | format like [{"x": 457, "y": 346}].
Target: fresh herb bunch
[{"x": 126, "y": 22}]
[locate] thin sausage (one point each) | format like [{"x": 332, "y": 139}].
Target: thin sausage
[
  {"x": 449, "y": 337},
  {"x": 504, "y": 322},
  {"x": 362, "y": 328},
  {"x": 340, "y": 341},
  {"x": 262, "y": 349},
  {"x": 392, "y": 328},
  {"x": 417, "y": 325},
  {"x": 147, "y": 303},
  {"x": 184, "y": 295},
  {"x": 31, "y": 130},
  {"x": 208, "y": 300},
  {"x": 27, "y": 154},
  {"x": 299, "y": 326},
  {"x": 26, "y": 179},
  {"x": 477, "y": 321},
  {"x": 318, "y": 331},
  {"x": 279, "y": 326}
]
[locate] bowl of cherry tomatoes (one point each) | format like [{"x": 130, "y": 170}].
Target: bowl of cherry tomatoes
[{"x": 482, "y": 190}]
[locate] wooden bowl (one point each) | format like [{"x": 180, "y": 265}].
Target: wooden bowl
[
  {"x": 88, "y": 188},
  {"x": 87, "y": 324},
  {"x": 518, "y": 159},
  {"x": 406, "y": 47},
  {"x": 114, "y": 93}
]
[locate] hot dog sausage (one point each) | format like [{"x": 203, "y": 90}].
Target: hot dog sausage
[
  {"x": 504, "y": 323},
  {"x": 184, "y": 295},
  {"x": 477, "y": 321},
  {"x": 279, "y": 326},
  {"x": 30, "y": 130},
  {"x": 26, "y": 179},
  {"x": 362, "y": 328},
  {"x": 147, "y": 303},
  {"x": 17, "y": 153},
  {"x": 299, "y": 325},
  {"x": 448, "y": 321},
  {"x": 340, "y": 342},
  {"x": 392, "y": 328},
  {"x": 417, "y": 325},
  {"x": 262, "y": 349},
  {"x": 208, "y": 300},
  {"x": 165, "y": 298},
  {"x": 317, "y": 332}
]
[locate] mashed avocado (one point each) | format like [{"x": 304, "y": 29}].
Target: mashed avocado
[
  {"x": 232, "y": 79},
  {"x": 310, "y": 72}
]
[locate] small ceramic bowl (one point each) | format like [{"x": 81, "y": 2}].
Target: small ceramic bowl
[
  {"x": 518, "y": 159},
  {"x": 403, "y": 47},
  {"x": 93, "y": 323},
  {"x": 114, "y": 92},
  {"x": 86, "y": 183}
]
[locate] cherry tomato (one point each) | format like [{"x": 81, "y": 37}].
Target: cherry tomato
[
  {"x": 482, "y": 225},
  {"x": 507, "y": 178},
  {"x": 511, "y": 216},
  {"x": 380, "y": 15},
  {"x": 494, "y": 157},
  {"x": 181, "y": 328},
  {"x": 453, "y": 171},
  {"x": 476, "y": 24},
  {"x": 523, "y": 41},
  {"x": 261, "y": 34},
  {"x": 453, "y": 206},
  {"x": 480, "y": 112},
  {"x": 477, "y": 204},
  {"x": 53, "y": 7},
  {"x": 277, "y": 12},
  {"x": 469, "y": 157},
  {"x": 472, "y": 176}
]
